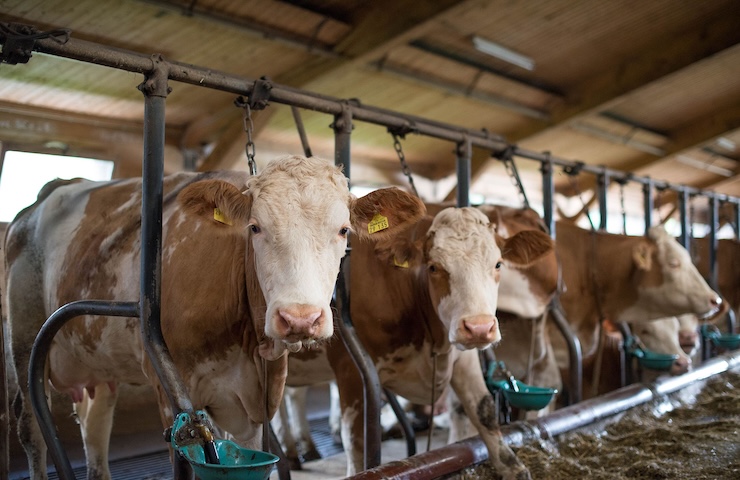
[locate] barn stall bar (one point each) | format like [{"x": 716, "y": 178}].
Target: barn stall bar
[{"x": 157, "y": 71}]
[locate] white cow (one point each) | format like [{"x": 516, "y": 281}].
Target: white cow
[{"x": 248, "y": 270}]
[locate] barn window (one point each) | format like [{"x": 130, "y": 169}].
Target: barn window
[{"x": 23, "y": 175}]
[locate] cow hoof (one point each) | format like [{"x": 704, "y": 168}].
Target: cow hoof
[
  {"x": 311, "y": 455},
  {"x": 295, "y": 464}
]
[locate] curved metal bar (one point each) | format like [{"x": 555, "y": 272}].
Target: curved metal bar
[
  {"x": 403, "y": 420},
  {"x": 37, "y": 364},
  {"x": 574, "y": 353},
  {"x": 365, "y": 366}
]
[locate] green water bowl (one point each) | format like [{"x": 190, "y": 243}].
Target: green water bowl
[
  {"x": 235, "y": 462},
  {"x": 729, "y": 341},
  {"x": 653, "y": 360},
  {"x": 528, "y": 397}
]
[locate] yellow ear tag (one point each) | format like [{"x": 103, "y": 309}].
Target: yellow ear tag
[
  {"x": 219, "y": 216},
  {"x": 404, "y": 264},
  {"x": 378, "y": 223}
]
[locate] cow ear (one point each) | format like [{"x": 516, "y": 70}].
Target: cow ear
[
  {"x": 217, "y": 200},
  {"x": 526, "y": 247},
  {"x": 399, "y": 251},
  {"x": 642, "y": 255},
  {"x": 385, "y": 212}
]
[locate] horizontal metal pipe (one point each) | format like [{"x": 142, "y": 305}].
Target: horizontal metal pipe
[
  {"x": 135, "y": 62},
  {"x": 37, "y": 363},
  {"x": 453, "y": 458}
]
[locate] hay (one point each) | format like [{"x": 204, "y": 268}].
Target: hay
[{"x": 697, "y": 439}]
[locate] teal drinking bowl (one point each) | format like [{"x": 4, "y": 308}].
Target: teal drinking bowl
[
  {"x": 235, "y": 462},
  {"x": 528, "y": 397},
  {"x": 729, "y": 341},
  {"x": 654, "y": 361}
]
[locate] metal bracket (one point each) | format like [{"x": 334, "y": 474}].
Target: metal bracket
[
  {"x": 18, "y": 41},
  {"x": 260, "y": 94}
]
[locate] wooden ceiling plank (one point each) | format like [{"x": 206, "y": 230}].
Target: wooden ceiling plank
[{"x": 597, "y": 95}]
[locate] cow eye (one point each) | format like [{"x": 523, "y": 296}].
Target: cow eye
[
  {"x": 344, "y": 231},
  {"x": 432, "y": 268},
  {"x": 499, "y": 264},
  {"x": 255, "y": 229},
  {"x": 674, "y": 263}
]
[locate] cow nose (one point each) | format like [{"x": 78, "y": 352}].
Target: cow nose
[
  {"x": 680, "y": 366},
  {"x": 479, "y": 329},
  {"x": 298, "y": 322},
  {"x": 715, "y": 301}
]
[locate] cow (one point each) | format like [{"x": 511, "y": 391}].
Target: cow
[
  {"x": 424, "y": 301},
  {"x": 524, "y": 289},
  {"x": 624, "y": 279},
  {"x": 249, "y": 265},
  {"x": 662, "y": 336}
]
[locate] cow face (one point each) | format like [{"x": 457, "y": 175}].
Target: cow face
[
  {"x": 297, "y": 214},
  {"x": 668, "y": 283},
  {"x": 464, "y": 259},
  {"x": 662, "y": 336}
]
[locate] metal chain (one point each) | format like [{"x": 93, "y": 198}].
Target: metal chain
[
  {"x": 571, "y": 172},
  {"x": 404, "y": 166},
  {"x": 248, "y": 128},
  {"x": 508, "y": 159}
]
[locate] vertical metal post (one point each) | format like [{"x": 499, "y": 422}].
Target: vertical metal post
[
  {"x": 713, "y": 215},
  {"x": 464, "y": 154},
  {"x": 155, "y": 90},
  {"x": 737, "y": 220},
  {"x": 603, "y": 187},
  {"x": 548, "y": 194},
  {"x": 683, "y": 205},
  {"x": 647, "y": 192},
  {"x": 365, "y": 366}
]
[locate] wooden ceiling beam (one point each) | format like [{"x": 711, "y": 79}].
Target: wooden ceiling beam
[
  {"x": 692, "y": 136},
  {"x": 670, "y": 55},
  {"x": 376, "y": 31}
]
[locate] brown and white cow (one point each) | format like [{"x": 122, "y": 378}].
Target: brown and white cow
[
  {"x": 523, "y": 289},
  {"x": 430, "y": 292},
  {"x": 244, "y": 287},
  {"x": 625, "y": 279}
]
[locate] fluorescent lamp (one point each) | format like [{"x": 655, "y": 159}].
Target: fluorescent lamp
[{"x": 503, "y": 53}]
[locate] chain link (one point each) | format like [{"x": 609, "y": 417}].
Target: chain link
[
  {"x": 248, "y": 128},
  {"x": 404, "y": 166},
  {"x": 514, "y": 178}
]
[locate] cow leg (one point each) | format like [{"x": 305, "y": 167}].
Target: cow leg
[
  {"x": 467, "y": 381},
  {"x": 299, "y": 423},
  {"x": 281, "y": 425},
  {"x": 95, "y": 414},
  {"x": 351, "y": 399},
  {"x": 25, "y": 316},
  {"x": 460, "y": 425},
  {"x": 335, "y": 413}
]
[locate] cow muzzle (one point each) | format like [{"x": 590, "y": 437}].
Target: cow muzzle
[
  {"x": 478, "y": 331},
  {"x": 680, "y": 366},
  {"x": 299, "y": 323}
]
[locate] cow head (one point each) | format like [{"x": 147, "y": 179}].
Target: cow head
[
  {"x": 663, "y": 336},
  {"x": 459, "y": 260},
  {"x": 297, "y": 214},
  {"x": 667, "y": 281},
  {"x": 526, "y": 289}
]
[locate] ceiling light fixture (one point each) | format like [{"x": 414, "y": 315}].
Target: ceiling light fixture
[{"x": 502, "y": 53}]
